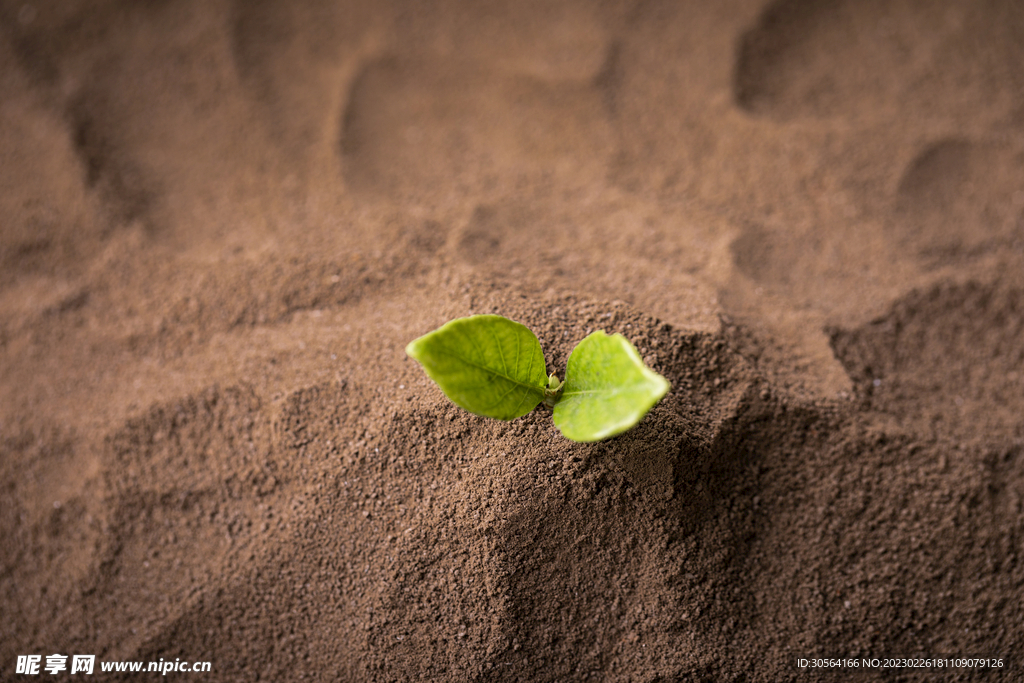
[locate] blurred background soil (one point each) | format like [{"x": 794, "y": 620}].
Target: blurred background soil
[{"x": 221, "y": 222}]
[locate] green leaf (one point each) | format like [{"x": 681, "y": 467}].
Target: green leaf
[
  {"x": 608, "y": 389},
  {"x": 487, "y": 364}
]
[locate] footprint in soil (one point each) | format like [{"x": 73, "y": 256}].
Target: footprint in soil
[
  {"x": 945, "y": 360},
  {"x": 768, "y": 257},
  {"x": 960, "y": 199},
  {"x": 298, "y": 61},
  {"x": 411, "y": 127},
  {"x": 813, "y": 58}
]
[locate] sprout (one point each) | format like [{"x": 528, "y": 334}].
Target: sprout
[{"x": 493, "y": 366}]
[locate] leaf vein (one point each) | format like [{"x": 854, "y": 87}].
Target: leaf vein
[
  {"x": 461, "y": 359},
  {"x": 501, "y": 353}
]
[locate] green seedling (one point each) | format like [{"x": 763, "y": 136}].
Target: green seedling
[{"x": 493, "y": 366}]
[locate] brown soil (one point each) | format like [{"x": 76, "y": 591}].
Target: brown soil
[{"x": 222, "y": 222}]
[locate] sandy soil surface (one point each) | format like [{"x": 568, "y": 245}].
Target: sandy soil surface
[{"x": 221, "y": 222}]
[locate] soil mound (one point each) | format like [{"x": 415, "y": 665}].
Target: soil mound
[{"x": 222, "y": 221}]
